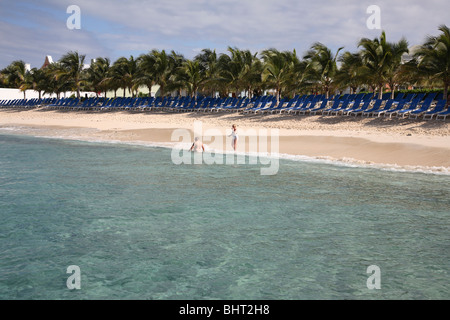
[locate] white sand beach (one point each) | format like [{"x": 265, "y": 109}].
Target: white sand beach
[{"x": 399, "y": 142}]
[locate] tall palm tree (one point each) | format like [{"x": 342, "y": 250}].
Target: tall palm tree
[
  {"x": 278, "y": 69},
  {"x": 123, "y": 73},
  {"x": 209, "y": 62},
  {"x": 351, "y": 73},
  {"x": 145, "y": 71},
  {"x": 192, "y": 76},
  {"x": 72, "y": 69},
  {"x": 322, "y": 63},
  {"x": 97, "y": 75},
  {"x": 35, "y": 80},
  {"x": 397, "y": 50},
  {"x": 434, "y": 58},
  {"x": 177, "y": 78},
  {"x": 15, "y": 75},
  {"x": 56, "y": 82},
  {"x": 162, "y": 69},
  {"x": 231, "y": 70},
  {"x": 382, "y": 60}
]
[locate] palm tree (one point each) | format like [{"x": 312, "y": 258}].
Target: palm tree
[
  {"x": 231, "y": 70},
  {"x": 382, "y": 60},
  {"x": 193, "y": 76},
  {"x": 15, "y": 75},
  {"x": 145, "y": 71},
  {"x": 72, "y": 69},
  {"x": 278, "y": 69},
  {"x": 351, "y": 73},
  {"x": 397, "y": 50},
  {"x": 322, "y": 64},
  {"x": 209, "y": 62},
  {"x": 35, "y": 80},
  {"x": 97, "y": 75},
  {"x": 177, "y": 78},
  {"x": 162, "y": 70},
  {"x": 123, "y": 73},
  {"x": 434, "y": 58},
  {"x": 55, "y": 81}
]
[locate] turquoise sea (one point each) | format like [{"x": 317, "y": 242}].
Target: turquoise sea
[{"x": 140, "y": 227}]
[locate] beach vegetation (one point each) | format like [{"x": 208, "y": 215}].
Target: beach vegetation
[{"x": 377, "y": 66}]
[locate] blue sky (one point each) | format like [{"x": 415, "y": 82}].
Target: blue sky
[{"x": 30, "y": 30}]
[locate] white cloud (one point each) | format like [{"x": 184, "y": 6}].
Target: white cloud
[{"x": 114, "y": 28}]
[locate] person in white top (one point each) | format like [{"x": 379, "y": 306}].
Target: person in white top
[
  {"x": 197, "y": 146},
  {"x": 234, "y": 137}
]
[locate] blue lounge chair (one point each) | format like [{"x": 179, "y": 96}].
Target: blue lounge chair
[
  {"x": 387, "y": 106},
  {"x": 405, "y": 112},
  {"x": 359, "y": 111},
  {"x": 318, "y": 110},
  {"x": 438, "y": 108},
  {"x": 422, "y": 110},
  {"x": 343, "y": 107},
  {"x": 443, "y": 115},
  {"x": 375, "y": 107},
  {"x": 391, "y": 112},
  {"x": 335, "y": 106},
  {"x": 274, "y": 107}
]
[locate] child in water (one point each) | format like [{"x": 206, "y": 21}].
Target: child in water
[{"x": 197, "y": 146}]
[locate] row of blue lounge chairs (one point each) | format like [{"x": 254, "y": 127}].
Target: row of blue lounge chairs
[
  {"x": 26, "y": 103},
  {"x": 413, "y": 106}
]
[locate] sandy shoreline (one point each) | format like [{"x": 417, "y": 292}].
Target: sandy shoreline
[{"x": 400, "y": 142}]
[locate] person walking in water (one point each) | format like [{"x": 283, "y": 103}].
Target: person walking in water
[
  {"x": 234, "y": 137},
  {"x": 197, "y": 146}
]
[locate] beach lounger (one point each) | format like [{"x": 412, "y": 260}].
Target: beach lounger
[
  {"x": 391, "y": 112},
  {"x": 351, "y": 107},
  {"x": 405, "y": 112},
  {"x": 257, "y": 107},
  {"x": 375, "y": 107},
  {"x": 443, "y": 115},
  {"x": 230, "y": 104},
  {"x": 308, "y": 105},
  {"x": 359, "y": 111},
  {"x": 387, "y": 106},
  {"x": 334, "y": 106},
  {"x": 399, "y": 96},
  {"x": 293, "y": 107},
  {"x": 274, "y": 107},
  {"x": 438, "y": 108},
  {"x": 420, "y": 111},
  {"x": 318, "y": 110},
  {"x": 343, "y": 107}
]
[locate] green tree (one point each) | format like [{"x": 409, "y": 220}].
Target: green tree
[
  {"x": 15, "y": 76},
  {"x": 278, "y": 69},
  {"x": 434, "y": 58},
  {"x": 72, "y": 70},
  {"x": 97, "y": 75},
  {"x": 382, "y": 60},
  {"x": 322, "y": 65},
  {"x": 351, "y": 73}
]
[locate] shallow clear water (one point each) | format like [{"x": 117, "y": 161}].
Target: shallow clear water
[{"x": 140, "y": 227}]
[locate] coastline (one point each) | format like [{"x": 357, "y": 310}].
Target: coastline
[{"x": 372, "y": 141}]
